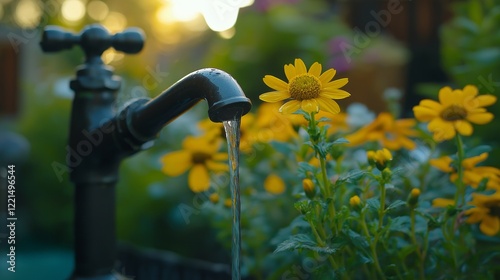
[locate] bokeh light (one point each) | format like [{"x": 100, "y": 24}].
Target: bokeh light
[
  {"x": 164, "y": 15},
  {"x": 110, "y": 55},
  {"x": 73, "y": 10},
  {"x": 115, "y": 22},
  {"x": 28, "y": 13},
  {"x": 97, "y": 10},
  {"x": 227, "y": 34},
  {"x": 184, "y": 10}
]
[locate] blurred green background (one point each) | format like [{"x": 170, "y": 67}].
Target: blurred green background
[{"x": 414, "y": 46}]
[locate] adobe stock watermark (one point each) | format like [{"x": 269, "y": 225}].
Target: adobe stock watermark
[
  {"x": 363, "y": 38},
  {"x": 48, "y": 9},
  {"x": 92, "y": 139},
  {"x": 487, "y": 83}
]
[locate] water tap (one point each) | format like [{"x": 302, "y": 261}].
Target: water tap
[{"x": 100, "y": 136}]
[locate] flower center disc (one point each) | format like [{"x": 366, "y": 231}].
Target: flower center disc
[
  {"x": 495, "y": 210},
  {"x": 304, "y": 87},
  {"x": 200, "y": 158},
  {"x": 454, "y": 113}
]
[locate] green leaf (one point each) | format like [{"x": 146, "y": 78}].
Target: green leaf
[
  {"x": 406, "y": 250},
  {"x": 340, "y": 141},
  {"x": 477, "y": 151},
  {"x": 350, "y": 177},
  {"x": 356, "y": 239},
  {"x": 373, "y": 203},
  {"x": 303, "y": 206},
  {"x": 305, "y": 167},
  {"x": 401, "y": 224},
  {"x": 303, "y": 241},
  {"x": 395, "y": 204}
]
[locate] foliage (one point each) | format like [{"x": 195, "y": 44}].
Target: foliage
[
  {"x": 470, "y": 53},
  {"x": 372, "y": 213}
]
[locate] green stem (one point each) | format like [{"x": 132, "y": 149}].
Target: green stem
[
  {"x": 417, "y": 247},
  {"x": 382, "y": 205},
  {"x": 373, "y": 246},
  {"x": 460, "y": 194},
  {"x": 323, "y": 244}
]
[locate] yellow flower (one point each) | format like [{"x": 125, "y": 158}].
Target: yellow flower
[
  {"x": 413, "y": 197},
  {"x": 390, "y": 133},
  {"x": 379, "y": 157},
  {"x": 200, "y": 155},
  {"x": 216, "y": 130},
  {"x": 415, "y": 192},
  {"x": 308, "y": 186},
  {"x": 355, "y": 201},
  {"x": 214, "y": 198},
  {"x": 486, "y": 211},
  {"x": 270, "y": 125},
  {"x": 454, "y": 112},
  {"x": 274, "y": 184},
  {"x": 228, "y": 202},
  {"x": 306, "y": 90},
  {"x": 473, "y": 175}
]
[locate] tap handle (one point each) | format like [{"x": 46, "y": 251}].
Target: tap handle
[{"x": 94, "y": 39}]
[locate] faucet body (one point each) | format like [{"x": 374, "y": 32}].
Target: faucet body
[{"x": 100, "y": 136}]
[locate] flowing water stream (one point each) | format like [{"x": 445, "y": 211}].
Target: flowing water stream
[{"x": 233, "y": 144}]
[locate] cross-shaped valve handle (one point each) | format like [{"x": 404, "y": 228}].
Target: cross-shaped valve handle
[{"x": 93, "y": 39}]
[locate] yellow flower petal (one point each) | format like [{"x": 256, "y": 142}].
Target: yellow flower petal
[
  {"x": 176, "y": 163},
  {"x": 442, "y": 202},
  {"x": 469, "y": 163},
  {"x": 475, "y": 215},
  {"x": 480, "y": 118},
  {"x": 431, "y": 104},
  {"x": 289, "y": 71},
  {"x": 198, "y": 178},
  {"x": 300, "y": 67},
  {"x": 424, "y": 114},
  {"x": 220, "y": 156},
  {"x": 446, "y": 96},
  {"x": 315, "y": 69},
  {"x": 274, "y": 96},
  {"x": 328, "y": 105},
  {"x": 327, "y": 76},
  {"x": 442, "y": 163},
  {"x": 485, "y": 100},
  {"x": 290, "y": 107},
  {"x": 310, "y": 105},
  {"x": 334, "y": 94},
  {"x": 275, "y": 83},
  {"x": 217, "y": 166},
  {"x": 337, "y": 83},
  {"x": 470, "y": 90},
  {"x": 490, "y": 225},
  {"x": 463, "y": 127},
  {"x": 441, "y": 130},
  {"x": 274, "y": 184}
]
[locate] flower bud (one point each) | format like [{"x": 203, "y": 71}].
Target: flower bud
[
  {"x": 413, "y": 197},
  {"x": 214, "y": 198},
  {"x": 379, "y": 158},
  {"x": 309, "y": 189},
  {"x": 386, "y": 174},
  {"x": 355, "y": 202}
]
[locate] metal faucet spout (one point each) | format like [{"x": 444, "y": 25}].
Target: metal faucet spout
[{"x": 226, "y": 100}]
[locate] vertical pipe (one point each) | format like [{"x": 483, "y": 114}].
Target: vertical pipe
[{"x": 94, "y": 229}]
